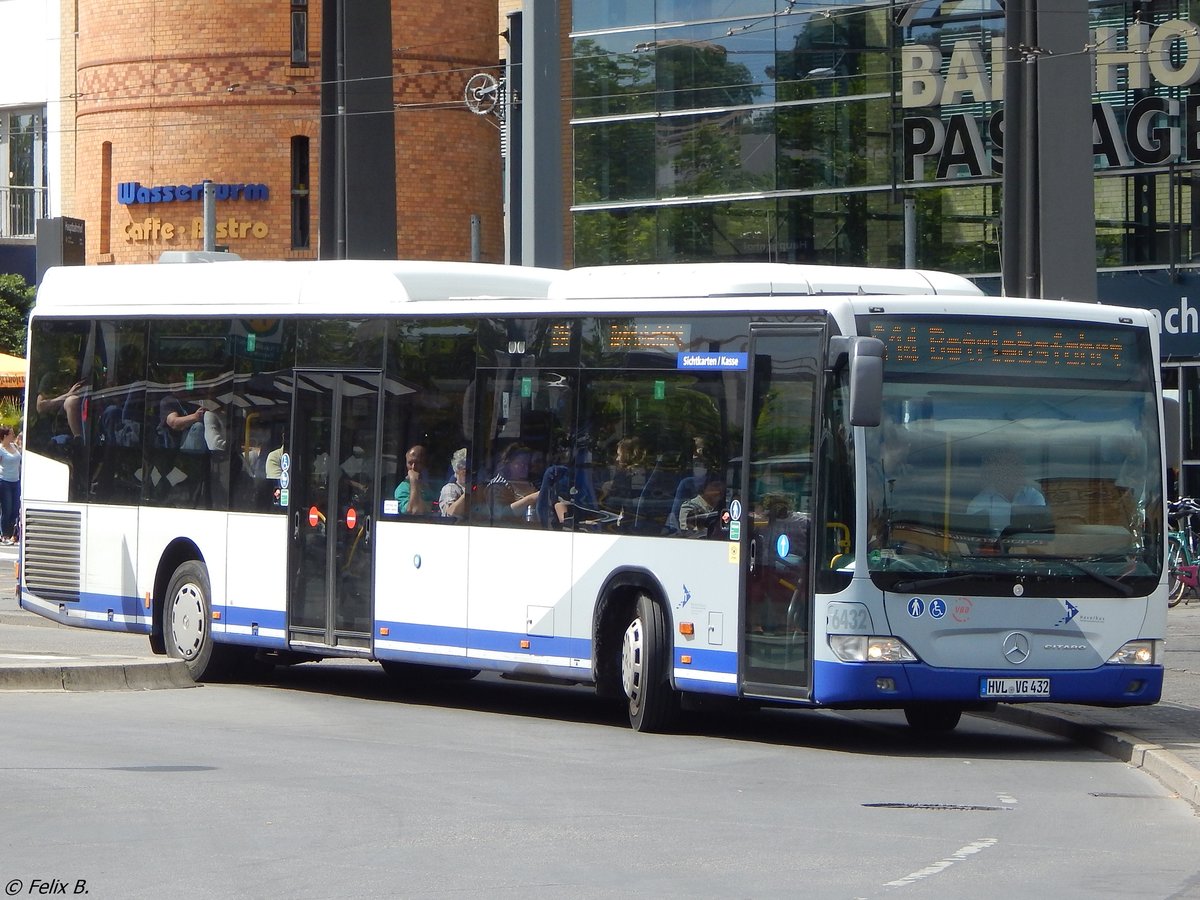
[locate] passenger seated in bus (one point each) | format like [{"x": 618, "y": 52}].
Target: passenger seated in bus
[
  {"x": 700, "y": 457},
  {"x": 216, "y": 438},
  {"x": 68, "y": 402},
  {"x": 273, "y": 467},
  {"x": 510, "y": 495},
  {"x": 454, "y": 500},
  {"x": 566, "y": 499},
  {"x": 623, "y": 489},
  {"x": 268, "y": 493},
  {"x": 1005, "y": 485},
  {"x": 700, "y": 515},
  {"x": 416, "y": 493},
  {"x": 180, "y": 424}
]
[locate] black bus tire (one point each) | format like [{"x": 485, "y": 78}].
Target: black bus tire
[{"x": 645, "y": 657}]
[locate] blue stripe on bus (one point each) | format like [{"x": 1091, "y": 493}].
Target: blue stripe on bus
[
  {"x": 487, "y": 641},
  {"x": 721, "y": 661},
  {"x": 245, "y": 617},
  {"x": 97, "y": 606},
  {"x": 856, "y": 684}
]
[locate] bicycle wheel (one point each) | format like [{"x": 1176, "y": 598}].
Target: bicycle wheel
[{"x": 1176, "y": 586}]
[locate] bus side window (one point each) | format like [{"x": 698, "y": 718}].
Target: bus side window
[
  {"x": 117, "y": 408},
  {"x": 63, "y": 368},
  {"x": 261, "y": 401},
  {"x": 427, "y": 403}
]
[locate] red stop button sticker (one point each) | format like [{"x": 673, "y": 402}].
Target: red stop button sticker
[
  {"x": 351, "y": 518},
  {"x": 314, "y": 516}
]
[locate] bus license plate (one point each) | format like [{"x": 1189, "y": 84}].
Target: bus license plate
[{"x": 1015, "y": 687}]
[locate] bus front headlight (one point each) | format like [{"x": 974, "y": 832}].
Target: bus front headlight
[
  {"x": 870, "y": 648},
  {"x": 1138, "y": 653}
]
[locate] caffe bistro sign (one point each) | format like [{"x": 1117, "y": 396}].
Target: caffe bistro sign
[{"x": 1153, "y": 131}]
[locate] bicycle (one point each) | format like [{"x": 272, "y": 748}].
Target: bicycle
[{"x": 1183, "y": 561}]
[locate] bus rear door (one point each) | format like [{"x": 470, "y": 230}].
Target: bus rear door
[{"x": 332, "y": 487}]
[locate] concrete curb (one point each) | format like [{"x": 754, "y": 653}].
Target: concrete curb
[
  {"x": 112, "y": 674},
  {"x": 1156, "y": 761}
]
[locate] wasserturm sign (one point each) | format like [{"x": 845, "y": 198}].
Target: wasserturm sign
[
  {"x": 1153, "y": 131},
  {"x": 135, "y": 192}
]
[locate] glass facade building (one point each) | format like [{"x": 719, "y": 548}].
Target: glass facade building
[{"x": 744, "y": 129}]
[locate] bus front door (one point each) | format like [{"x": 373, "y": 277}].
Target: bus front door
[
  {"x": 777, "y": 484},
  {"x": 334, "y": 452}
]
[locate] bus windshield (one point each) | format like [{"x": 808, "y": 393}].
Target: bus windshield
[{"x": 1015, "y": 458}]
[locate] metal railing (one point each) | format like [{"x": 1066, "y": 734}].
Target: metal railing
[{"x": 20, "y": 208}]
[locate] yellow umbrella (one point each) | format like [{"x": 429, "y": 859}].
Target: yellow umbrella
[{"x": 12, "y": 371}]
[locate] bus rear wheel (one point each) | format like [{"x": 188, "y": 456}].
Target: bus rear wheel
[
  {"x": 932, "y": 719},
  {"x": 645, "y": 652}
]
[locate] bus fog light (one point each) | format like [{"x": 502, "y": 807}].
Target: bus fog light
[
  {"x": 870, "y": 648},
  {"x": 1138, "y": 653}
]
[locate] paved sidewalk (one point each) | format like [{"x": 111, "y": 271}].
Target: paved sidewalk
[
  {"x": 1164, "y": 739},
  {"x": 39, "y": 655}
]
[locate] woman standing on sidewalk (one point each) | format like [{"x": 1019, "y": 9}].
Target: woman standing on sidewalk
[{"x": 10, "y": 485}]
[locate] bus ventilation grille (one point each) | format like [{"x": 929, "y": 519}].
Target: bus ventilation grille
[{"x": 52, "y": 550}]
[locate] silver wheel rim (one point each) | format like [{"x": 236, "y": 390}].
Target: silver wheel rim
[
  {"x": 632, "y": 650},
  {"x": 187, "y": 621}
]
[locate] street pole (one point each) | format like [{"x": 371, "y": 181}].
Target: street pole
[
  {"x": 1030, "y": 256},
  {"x": 1012, "y": 247},
  {"x": 339, "y": 178},
  {"x": 210, "y": 216},
  {"x": 910, "y": 232}
]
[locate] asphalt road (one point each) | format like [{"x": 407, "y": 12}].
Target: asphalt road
[{"x": 332, "y": 781}]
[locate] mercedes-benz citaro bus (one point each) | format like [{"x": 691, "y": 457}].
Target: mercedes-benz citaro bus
[{"x": 781, "y": 484}]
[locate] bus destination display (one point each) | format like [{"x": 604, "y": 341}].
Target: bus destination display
[
  {"x": 668, "y": 337},
  {"x": 925, "y": 345}
]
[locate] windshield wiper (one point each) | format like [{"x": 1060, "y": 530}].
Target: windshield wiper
[
  {"x": 1119, "y": 586},
  {"x": 941, "y": 581}
]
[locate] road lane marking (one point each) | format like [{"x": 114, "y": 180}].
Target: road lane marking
[{"x": 942, "y": 864}]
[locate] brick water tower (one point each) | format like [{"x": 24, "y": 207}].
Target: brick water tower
[{"x": 163, "y": 96}]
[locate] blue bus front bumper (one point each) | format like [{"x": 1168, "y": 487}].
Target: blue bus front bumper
[{"x": 874, "y": 685}]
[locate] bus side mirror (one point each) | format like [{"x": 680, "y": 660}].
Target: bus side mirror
[{"x": 864, "y": 356}]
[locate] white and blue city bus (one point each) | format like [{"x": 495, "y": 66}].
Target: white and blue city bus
[{"x": 824, "y": 487}]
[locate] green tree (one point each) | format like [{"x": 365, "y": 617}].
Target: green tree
[{"x": 16, "y": 300}]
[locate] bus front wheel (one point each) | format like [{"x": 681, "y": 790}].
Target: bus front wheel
[
  {"x": 187, "y": 619},
  {"x": 645, "y": 650}
]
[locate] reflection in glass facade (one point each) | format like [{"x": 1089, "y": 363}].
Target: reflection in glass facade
[{"x": 749, "y": 130}]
